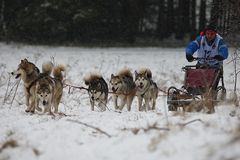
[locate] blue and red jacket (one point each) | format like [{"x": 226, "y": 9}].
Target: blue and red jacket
[{"x": 203, "y": 47}]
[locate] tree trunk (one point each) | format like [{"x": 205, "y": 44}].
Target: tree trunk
[
  {"x": 161, "y": 27},
  {"x": 170, "y": 18},
  {"x": 202, "y": 18},
  {"x": 183, "y": 20},
  {"x": 2, "y": 20},
  {"x": 193, "y": 20}
]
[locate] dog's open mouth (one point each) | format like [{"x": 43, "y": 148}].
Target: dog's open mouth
[
  {"x": 141, "y": 86},
  {"x": 17, "y": 76},
  {"x": 114, "y": 90}
]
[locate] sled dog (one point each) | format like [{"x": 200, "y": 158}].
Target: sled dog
[
  {"x": 49, "y": 89},
  {"x": 97, "y": 90},
  {"x": 123, "y": 88},
  {"x": 147, "y": 89},
  {"x": 28, "y": 73}
]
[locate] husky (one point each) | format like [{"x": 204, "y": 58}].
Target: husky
[
  {"x": 147, "y": 89},
  {"x": 49, "y": 89},
  {"x": 123, "y": 88},
  {"x": 28, "y": 73},
  {"x": 97, "y": 91}
]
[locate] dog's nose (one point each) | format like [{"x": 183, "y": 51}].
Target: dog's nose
[
  {"x": 141, "y": 83},
  {"x": 12, "y": 73},
  {"x": 44, "y": 103}
]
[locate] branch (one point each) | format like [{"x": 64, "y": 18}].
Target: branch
[
  {"x": 187, "y": 123},
  {"x": 90, "y": 126},
  {"x": 151, "y": 127}
]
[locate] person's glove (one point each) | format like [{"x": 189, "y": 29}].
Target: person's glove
[
  {"x": 189, "y": 58},
  {"x": 218, "y": 57}
]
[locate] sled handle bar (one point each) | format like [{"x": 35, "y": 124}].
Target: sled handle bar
[{"x": 200, "y": 58}]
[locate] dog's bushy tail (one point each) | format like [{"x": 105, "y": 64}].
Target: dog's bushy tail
[
  {"x": 91, "y": 77},
  {"x": 57, "y": 71},
  {"x": 125, "y": 73},
  {"x": 47, "y": 68}
]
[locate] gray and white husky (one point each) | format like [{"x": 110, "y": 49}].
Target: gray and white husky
[
  {"x": 49, "y": 89},
  {"x": 147, "y": 89},
  {"x": 123, "y": 88},
  {"x": 97, "y": 91}
]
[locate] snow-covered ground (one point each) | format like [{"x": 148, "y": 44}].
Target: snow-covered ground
[{"x": 120, "y": 136}]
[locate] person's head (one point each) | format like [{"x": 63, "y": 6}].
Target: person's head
[{"x": 210, "y": 32}]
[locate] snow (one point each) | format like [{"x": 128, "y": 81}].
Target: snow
[{"x": 125, "y": 135}]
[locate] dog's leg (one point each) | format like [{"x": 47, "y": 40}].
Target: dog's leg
[
  {"x": 37, "y": 106},
  {"x": 102, "y": 106},
  {"x": 129, "y": 102},
  {"x": 27, "y": 98},
  {"x": 47, "y": 108},
  {"x": 140, "y": 99},
  {"x": 153, "y": 103},
  {"x": 56, "y": 103},
  {"x": 56, "y": 107},
  {"x": 92, "y": 104},
  {"x": 147, "y": 104},
  {"x": 115, "y": 98},
  {"x": 27, "y": 102},
  {"x": 29, "y": 106},
  {"x": 32, "y": 104},
  {"x": 123, "y": 102}
]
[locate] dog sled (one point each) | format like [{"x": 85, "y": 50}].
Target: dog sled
[{"x": 199, "y": 91}]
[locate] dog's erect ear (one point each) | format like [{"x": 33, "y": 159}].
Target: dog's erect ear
[
  {"x": 50, "y": 87},
  {"x": 136, "y": 74},
  {"x": 112, "y": 76},
  {"x": 24, "y": 61},
  {"x": 37, "y": 86},
  {"x": 87, "y": 83},
  {"x": 98, "y": 85},
  {"x": 146, "y": 74}
]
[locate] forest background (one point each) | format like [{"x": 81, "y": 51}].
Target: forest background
[{"x": 165, "y": 23}]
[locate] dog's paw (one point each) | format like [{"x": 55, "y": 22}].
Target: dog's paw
[
  {"x": 27, "y": 110},
  {"x": 39, "y": 109}
]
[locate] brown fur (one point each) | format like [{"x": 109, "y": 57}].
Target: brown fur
[
  {"x": 123, "y": 88},
  {"x": 145, "y": 71},
  {"x": 57, "y": 72},
  {"x": 125, "y": 72}
]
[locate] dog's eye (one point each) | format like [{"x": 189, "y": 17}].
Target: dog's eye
[
  {"x": 41, "y": 95},
  {"x": 117, "y": 83}
]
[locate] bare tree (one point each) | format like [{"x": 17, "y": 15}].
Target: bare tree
[
  {"x": 236, "y": 60},
  {"x": 202, "y": 18},
  {"x": 2, "y": 19}
]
